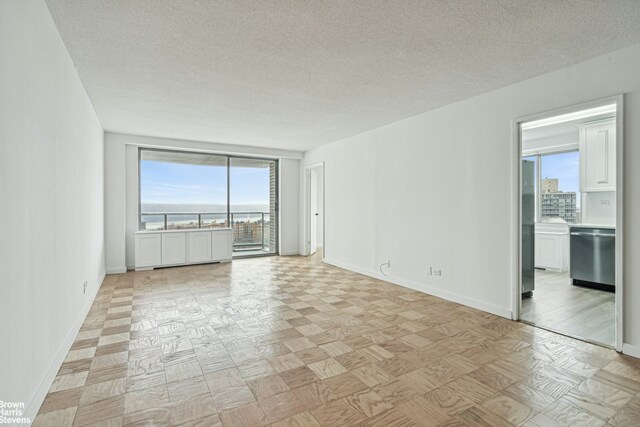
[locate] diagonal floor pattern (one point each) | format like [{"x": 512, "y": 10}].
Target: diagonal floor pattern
[{"x": 290, "y": 341}]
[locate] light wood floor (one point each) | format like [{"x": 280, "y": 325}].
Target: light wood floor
[
  {"x": 573, "y": 310},
  {"x": 288, "y": 341}
]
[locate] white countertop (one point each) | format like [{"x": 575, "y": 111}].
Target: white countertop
[
  {"x": 186, "y": 230},
  {"x": 611, "y": 227}
]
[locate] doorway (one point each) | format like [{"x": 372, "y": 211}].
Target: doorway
[
  {"x": 314, "y": 212},
  {"x": 569, "y": 275}
]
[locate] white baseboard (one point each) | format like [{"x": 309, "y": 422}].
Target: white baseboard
[
  {"x": 421, "y": 287},
  {"x": 289, "y": 253},
  {"x": 118, "y": 270},
  {"x": 34, "y": 404},
  {"x": 631, "y": 350}
]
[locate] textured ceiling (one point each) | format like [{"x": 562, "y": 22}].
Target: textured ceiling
[{"x": 298, "y": 74}]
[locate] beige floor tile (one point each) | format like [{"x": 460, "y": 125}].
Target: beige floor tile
[
  {"x": 183, "y": 389},
  {"x": 294, "y": 341},
  {"x": 104, "y": 390},
  {"x": 327, "y": 368},
  {"x": 267, "y": 386},
  {"x": 182, "y": 371},
  {"x": 285, "y": 362},
  {"x": 140, "y": 400},
  {"x": 59, "y": 418},
  {"x": 223, "y": 379},
  {"x": 232, "y": 397},
  {"x": 249, "y": 415},
  {"x": 336, "y": 348},
  {"x": 69, "y": 381}
]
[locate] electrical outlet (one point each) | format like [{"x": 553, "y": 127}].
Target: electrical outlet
[
  {"x": 432, "y": 271},
  {"x": 84, "y": 287}
]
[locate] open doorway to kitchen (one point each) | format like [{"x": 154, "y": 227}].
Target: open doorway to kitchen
[
  {"x": 314, "y": 210},
  {"x": 570, "y": 211}
]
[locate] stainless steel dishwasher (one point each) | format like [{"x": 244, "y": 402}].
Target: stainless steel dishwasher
[{"x": 593, "y": 256}]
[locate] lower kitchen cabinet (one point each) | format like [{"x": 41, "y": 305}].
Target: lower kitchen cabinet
[{"x": 552, "y": 247}]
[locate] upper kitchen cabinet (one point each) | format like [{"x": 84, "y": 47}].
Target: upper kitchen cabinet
[{"x": 598, "y": 156}]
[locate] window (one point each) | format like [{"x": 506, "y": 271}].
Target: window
[
  {"x": 180, "y": 190},
  {"x": 557, "y": 187},
  {"x": 560, "y": 187}
]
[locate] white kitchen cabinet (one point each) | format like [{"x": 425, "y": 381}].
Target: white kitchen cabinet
[
  {"x": 598, "y": 156},
  {"x": 174, "y": 248},
  {"x": 199, "y": 246},
  {"x": 148, "y": 249},
  {"x": 221, "y": 243},
  {"x": 552, "y": 247}
]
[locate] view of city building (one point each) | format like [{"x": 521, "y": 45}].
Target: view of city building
[
  {"x": 549, "y": 185},
  {"x": 557, "y": 204}
]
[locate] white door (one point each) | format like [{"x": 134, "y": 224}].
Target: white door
[{"x": 313, "y": 212}]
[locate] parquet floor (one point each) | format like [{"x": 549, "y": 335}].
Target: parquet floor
[{"x": 289, "y": 341}]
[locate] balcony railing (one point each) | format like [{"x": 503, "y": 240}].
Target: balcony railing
[{"x": 251, "y": 230}]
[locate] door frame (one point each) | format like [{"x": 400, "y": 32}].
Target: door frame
[
  {"x": 516, "y": 221},
  {"x": 307, "y": 208}
]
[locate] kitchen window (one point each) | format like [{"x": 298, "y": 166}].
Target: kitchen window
[{"x": 557, "y": 187}]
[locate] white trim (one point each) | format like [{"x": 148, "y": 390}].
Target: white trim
[
  {"x": 203, "y": 146},
  {"x": 289, "y": 253},
  {"x": 516, "y": 147},
  {"x": 118, "y": 270},
  {"x": 553, "y": 149},
  {"x": 571, "y": 116},
  {"x": 516, "y": 202},
  {"x": 421, "y": 287},
  {"x": 619, "y": 249},
  {"x": 38, "y": 397},
  {"x": 631, "y": 350}
]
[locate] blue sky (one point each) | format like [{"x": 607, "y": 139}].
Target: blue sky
[
  {"x": 565, "y": 167},
  {"x": 163, "y": 182}
]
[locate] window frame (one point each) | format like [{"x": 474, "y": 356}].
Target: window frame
[{"x": 228, "y": 166}]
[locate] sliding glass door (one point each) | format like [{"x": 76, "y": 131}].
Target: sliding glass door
[
  {"x": 253, "y": 205},
  {"x": 181, "y": 190}
]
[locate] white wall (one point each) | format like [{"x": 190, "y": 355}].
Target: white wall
[
  {"x": 289, "y": 203},
  {"x": 437, "y": 189},
  {"x": 51, "y": 187},
  {"x": 121, "y": 190},
  {"x": 599, "y": 207}
]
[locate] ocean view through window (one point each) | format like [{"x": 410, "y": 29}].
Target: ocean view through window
[{"x": 185, "y": 190}]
